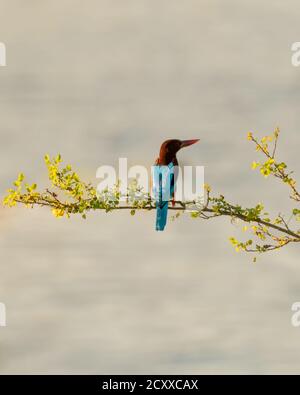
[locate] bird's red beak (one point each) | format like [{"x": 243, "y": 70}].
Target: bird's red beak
[{"x": 186, "y": 143}]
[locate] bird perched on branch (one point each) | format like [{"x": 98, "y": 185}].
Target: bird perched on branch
[{"x": 164, "y": 176}]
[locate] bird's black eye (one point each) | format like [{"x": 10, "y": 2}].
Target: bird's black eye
[{"x": 169, "y": 146}]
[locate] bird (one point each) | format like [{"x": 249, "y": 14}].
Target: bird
[{"x": 164, "y": 176}]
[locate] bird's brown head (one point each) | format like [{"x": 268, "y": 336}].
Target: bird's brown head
[{"x": 169, "y": 149}]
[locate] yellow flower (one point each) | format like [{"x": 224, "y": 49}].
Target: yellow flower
[
  {"x": 281, "y": 242},
  {"x": 265, "y": 172},
  {"x": 250, "y": 136},
  {"x": 255, "y": 165},
  {"x": 58, "y": 212},
  {"x": 233, "y": 241},
  {"x": 264, "y": 139},
  {"x": 207, "y": 187}
]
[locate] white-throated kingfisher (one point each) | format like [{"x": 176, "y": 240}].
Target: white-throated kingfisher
[{"x": 164, "y": 177}]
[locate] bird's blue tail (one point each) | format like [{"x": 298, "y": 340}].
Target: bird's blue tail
[{"x": 161, "y": 215}]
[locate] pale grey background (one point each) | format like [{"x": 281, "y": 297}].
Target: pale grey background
[{"x": 97, "y": 80}]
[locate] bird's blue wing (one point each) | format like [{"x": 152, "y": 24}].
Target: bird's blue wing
[{"x": 163, "y": 182}]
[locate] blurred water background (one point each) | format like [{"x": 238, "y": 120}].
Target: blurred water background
[{"x": 103, "y": 79}]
